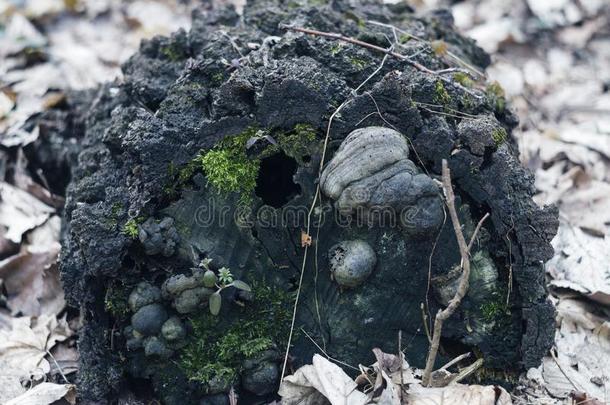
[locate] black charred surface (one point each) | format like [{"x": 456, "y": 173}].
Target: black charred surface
[{"x": 185, "y": 93}]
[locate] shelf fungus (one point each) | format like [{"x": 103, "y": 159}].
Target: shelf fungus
[{"x": 371, "y": 176}]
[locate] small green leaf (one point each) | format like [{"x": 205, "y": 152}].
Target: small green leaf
[
  {"x": 215, "y": 303},
  {"x": 241, "y": 285},
  {"x": 209, "y": 279},
  {"x": 225, "y": 276}
]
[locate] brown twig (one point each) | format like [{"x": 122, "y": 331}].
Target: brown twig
[
  {"x": 467, "y": 371},
  {"x": 456, "y": 360},
  {"x": 388, "y": 51},
  {"x": 443, "y": 315}
]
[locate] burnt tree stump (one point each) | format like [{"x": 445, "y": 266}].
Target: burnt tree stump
[{"x": 197, "y": 173}]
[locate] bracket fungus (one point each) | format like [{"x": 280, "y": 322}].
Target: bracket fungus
[{"x": 371, "y": 175}]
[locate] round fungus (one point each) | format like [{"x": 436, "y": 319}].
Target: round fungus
[
  {"x": 144, "y": 294},
  {"x": 173, "y": 329},
  {"x": 261, "y": 380},
  {"x": 351, "y": 262},
  {"x": 153, "y": 346},
  {"x": 149, "y": 319},
  {"x": 158, "y": 237}
]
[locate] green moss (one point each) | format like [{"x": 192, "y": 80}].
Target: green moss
[
  {"x": 440, "y": 94},
  {"x": 218, "y": 78},
  {"x": 496, "y": 96},
  {"x": 115, "y": 212},
  {"x": 298, "y": 142},
  {"x": 467, "y": 102},
  {"x": 216, "y": 351},
  {"x": 228, "y": 168},
  {"x": 485, "y": 375},
  {"x": 131, "y": 227},
  {"x": 115, "y": 301},
  {"x": 335, "y": 48},
  {"x": 358, "y": 63},
  {"x": 491, "y": 310},
  {"x": 404, "y": 38},
  {"x": 463, "y": 79},
  {"x": 499, "y": 136},
  {"x": 172, "y": 52}
]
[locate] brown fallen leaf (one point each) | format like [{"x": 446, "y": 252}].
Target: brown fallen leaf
[
  {"x": 22, "y": 180},
  {"x": 64, "y": 359},
  {"x": 305, "y": 239},
  {"x": 29, "y": 279}
]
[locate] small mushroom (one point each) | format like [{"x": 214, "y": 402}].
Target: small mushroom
[{"x": 351, "y": 262}]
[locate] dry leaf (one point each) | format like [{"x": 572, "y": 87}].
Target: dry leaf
[
  {"x": 583, "y": 352},
  {"x": 32, "y": 283},
  {"x": 391, "y": 364},
  {"x": 582, "y": 260},
  {"x": 320, "y": 383},
  {"x": 22, "y": 180},
  {"x": 45, "y": 394},
  {"x": 20, "y": 212},
  {"x": 305, "y": 239},
  {"x": 66, "y": 357},
  {"x": 23, "y": 348},
  {"x": 458, "y": 394}
]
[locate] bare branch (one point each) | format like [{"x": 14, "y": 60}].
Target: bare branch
[
  {"x": 476, "y": 231},
  {"x": 462, "y": 289}
]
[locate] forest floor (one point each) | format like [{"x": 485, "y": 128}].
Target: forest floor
[{"x": 552, "y": 58}]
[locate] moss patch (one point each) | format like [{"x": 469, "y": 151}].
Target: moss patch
[
  {"x": 298, "y": 142},
  {"x": 172, "y": 52},
  {"x": 358, "y": 63},
  {"x": 216, "y": 352},
  {"x": 440, "y": 94},
  {"x": 115, "y": 213},
  {"x": 494, "y": 308},
  {"x": 131, "y": 227},
  {"x": 463, "y": 79},
  {"x": 499, "y": 136},
  {"x": 496, "y": 96},
  {"x": 404, "y": 38},
  {"x": 115, "y": 300},
  {"x": 228, "y": 168}
]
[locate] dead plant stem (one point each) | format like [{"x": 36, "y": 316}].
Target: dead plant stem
[{"x": 443, "y": 315}]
